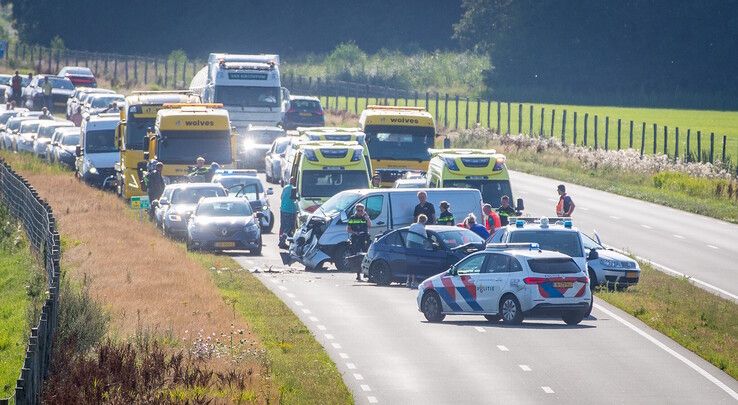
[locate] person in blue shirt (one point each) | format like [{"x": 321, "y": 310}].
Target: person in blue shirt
[
  {"x": 471, "y": 222},
  {"x": 288, "y": 213}
]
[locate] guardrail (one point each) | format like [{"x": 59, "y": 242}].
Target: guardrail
[{"x": 24, "y": 204}]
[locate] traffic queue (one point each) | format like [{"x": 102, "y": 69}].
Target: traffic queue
[{"x": 388, "y": 200}]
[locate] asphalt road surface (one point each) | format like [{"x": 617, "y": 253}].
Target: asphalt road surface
[{"x": 388, "y": 353}]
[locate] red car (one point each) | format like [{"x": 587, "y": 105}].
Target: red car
[{"x": 80, "y": 76}]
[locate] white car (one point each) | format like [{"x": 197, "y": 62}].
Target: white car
[
  {"x": 608, "y": 267},
  {"x": 418, "y": 182},
  {"x": 508, "y": 282},
  {"x": 273, "y": 159}
]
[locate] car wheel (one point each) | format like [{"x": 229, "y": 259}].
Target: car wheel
[
  {"x": 572, "y": 317},
  {"x": 190, "y": 246},
  {"x": 591, "y": 304},
  {"x": 492, "y": 318},
  {"x": 593, "y": 283},
  {"x": 339, "y": 258},
  {"x": 510, "y": 310},
  {"x": 380, "y": 272},
  {"x": 431, "y": 307},
  {"x": 270, "y": 225},
  {"x": 257, "y": 251}
]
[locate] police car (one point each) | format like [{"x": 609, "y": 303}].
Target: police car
[{"x": 508, "y": 282}]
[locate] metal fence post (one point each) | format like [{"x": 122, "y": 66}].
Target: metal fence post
[
  {"x": 630, "y": 143},
  {"x": 607, "y": 133},
  {"x": 543, "y": 111},
  {"x": 509, "y": 113},
  {"x": 687, "y": 157},
  {"x": 563, "y": 127},
  {"x": 596, "y": 128},
  {"x": 553, "y": 122},
  {"x": 643, "y": 138},
  {"x": 445, "y": 112},
  {"x": 699, "y": 146},
  {"x": 618, "y": 133},
  {"x": 586, "y": 118},
  {"x": 654, "y": 139},
  {"x": 676, "y": 144},
  {"x": 456, "y": 118},
  {"x": 479, "y": 110},
  {"x": 466, "y": 114},
  {"x": 712, "y": 146},
  {"x": 520, "y": 118},
  {"x": 666, "y": 140},
  {"x": 499, "y": 117},
  {"x": 575, "y": 129},
  {"x": 530, "y": 119},
  {"x": 725, "y": 140}
]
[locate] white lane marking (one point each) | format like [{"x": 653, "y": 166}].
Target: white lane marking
[
  {"x": 322, "y": 327},
  {"x": 372, "y": 400},
  {"x": 283, "y": 288},
  {"x": 336, "y": 345},
  {"x": 290, "y": 295},
  {"x": 503, "y": 348},
  {"x": 306, "y": 311},
  {"x": 678, "y": 236},
  {"x": 328, "y": 336},
  {"x": 712, "y": 247},
  {"x": 298, "y": 303},
  {"x": 719, "y": 290},
  {"x": 351, "y": 366},
  {"x": 584, "y": 208},
  {"x": 480, "y": 329},
  {"x": 314, "y": 319},
  {"x": 553, "y": 200},
  {"x": 365, "y": 388},
  {"x": 646, "y": 226},
  {"x": 547, "y": 390},
  {"x": 343, "y": 355},
  {"x": 669, "y": 350},
  {"x": 358, "y": 377},
  {"x": 614, "y": 217},
  {"x": 524, "y": 367},
  {"x": 274, "y": 280}
]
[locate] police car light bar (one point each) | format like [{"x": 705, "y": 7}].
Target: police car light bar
[
  {"x": 236, "y": 172},
  {"x": 505, "y": 246}
]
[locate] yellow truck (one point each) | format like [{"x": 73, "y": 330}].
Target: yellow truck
[
  {"x": 183, "y": 132},
  {"x": 138, "y": 115},
  {"x": 398, "y": 139}
]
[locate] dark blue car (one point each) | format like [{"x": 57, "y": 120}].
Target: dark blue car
[{"x": 400, "y": 253}]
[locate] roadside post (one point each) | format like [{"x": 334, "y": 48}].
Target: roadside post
[{"x": 142, "y": 204}]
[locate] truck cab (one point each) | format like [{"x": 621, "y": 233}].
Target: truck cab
[{"x": 97, "y": 152}]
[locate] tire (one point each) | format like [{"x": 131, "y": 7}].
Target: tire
[
  {"x": 572, "y": 317},
  {"x": 257, "y": 251},
  {"x": 190, "y": 246},
  {"x": 270, "y": 225},
  {"x": 382, "y": 274},
  {"x": 593, "y": 282},
  {"x": 510, "y": 310},
  {"x": 493, "y": 318},
  {"x": 431, "y": 307},
  {"x": 339, "y": 257},
  {"x": 591, "y": 304}
]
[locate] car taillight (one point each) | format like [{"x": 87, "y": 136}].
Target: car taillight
[
  {"x": 318, "y": 112},
  {"x": 534, "y": 280},
  {"x": 583, "y": 280}
]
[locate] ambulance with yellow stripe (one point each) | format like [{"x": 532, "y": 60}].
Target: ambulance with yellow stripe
[
  {"x": 482, "y": 169},
  {"x": 322, "y": 169},
  {"x": 136, "y": 118},
  {"x": 340, "y": 135},
  {"x": 183, "y": 132},
  {"x": 398, "y": 139}
]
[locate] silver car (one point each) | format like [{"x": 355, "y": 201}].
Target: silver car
[{"x": 273, "y": 159}]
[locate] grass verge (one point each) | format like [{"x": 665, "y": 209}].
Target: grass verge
[
  {"x": 302, "y": 370},
  {"x": 22, "y": 288},
  {"x": 696, "y": 319}
]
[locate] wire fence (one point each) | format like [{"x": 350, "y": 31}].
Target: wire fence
[
  {"x": 24, "y": 204},
  {"x": 454, "y": 112}
]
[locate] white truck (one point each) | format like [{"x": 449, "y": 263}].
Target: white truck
[{"x": 248, "y": 86}]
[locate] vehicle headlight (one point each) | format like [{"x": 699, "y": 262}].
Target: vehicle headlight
[
  {"x": 356, "y": 156},
  {"x": 174, "y": 217},
  {"x": 248, "y": 144},
  {"x": 611, "y": 263},
  {"x": 93, "y": 169}
]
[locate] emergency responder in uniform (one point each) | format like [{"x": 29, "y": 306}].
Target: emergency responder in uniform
[
  {"x": 358, "y": 227},
  {"x": 199, "y": 172},
  {"x": 155, "y": 185},
  {"x": 445, "y": 217},
  {"x": 505, "y": 211}
]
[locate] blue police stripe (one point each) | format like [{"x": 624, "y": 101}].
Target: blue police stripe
[
  {"x": 447, "y": 299},
  {"x": 468, "y": 298},
  {"x": 552, "y": 291}
]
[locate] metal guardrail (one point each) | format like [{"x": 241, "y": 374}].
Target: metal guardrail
[{"x": 24, "y": 204}]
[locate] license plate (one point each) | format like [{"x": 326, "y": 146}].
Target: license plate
[
  {"x": 225, "y": 244},
  {"x": 631, "y": 274},
  {"x": 305, "y": 114},
  {"x": 563, "y": 284}
]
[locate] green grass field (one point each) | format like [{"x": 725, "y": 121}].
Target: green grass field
[{"x": 453, "y": 116}]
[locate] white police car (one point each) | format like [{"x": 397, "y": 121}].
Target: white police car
[{"x": 508, "y": 282}]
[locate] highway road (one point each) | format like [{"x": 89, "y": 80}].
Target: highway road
[{"x": 387, "y": 353}]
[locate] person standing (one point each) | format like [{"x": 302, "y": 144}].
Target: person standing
[
  {"x": 445, "y": 217},
  {"x": 47, "y": 89},
  {"x": 287, "y": 213},
  {"x": 565, "y": 206},
  {"x": 199, "y": 172},
  {"x": 376, "y": 181},
  {"x": 358, "y": 229},
  {"x": 424, "y": 208},
  {"x": 76, "y": 118},
  {"x": 45, "y": 114},
  {"x": 16, "y": 84},
  {"x": 471, "y": 221},
  {"x": 491, "y": 218},
  {"x": 505, "y": 211},
  {"x": 155, "y": 185},
  {"x": 416, "y": 235}
]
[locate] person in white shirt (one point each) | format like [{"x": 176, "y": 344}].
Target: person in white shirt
[{"x": 416, "y": 232}]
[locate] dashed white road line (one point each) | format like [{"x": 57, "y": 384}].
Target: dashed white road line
[
  {"x": 671, "y": 351},
  {"x": 646, "y": 226},
  {"x": 553, "y": 200},
  {"x": 336, "y": 345},
  {"x": 351, "y": 366},
  {"x": 524, "y": 367},
  {"x": 503, "y": 348},
  {"x": 274, "y": 280},
  {"x": 365, "y": 388},
  {"x": 678, "y": 236},
  {"x": 290, "y": 295},
  {"x": 480, "y": 329},
  {"x": 712, "y": 247},
  {"x": 314, "y": 319},
  {"x": 343, "y": 355},
  {"x": 584, "y": 208},
  {"x": 614, "y": 217},
  {"x": 358, "y": 377},
  {"x": 328, "y": 336},
  {"x": 547, "y": 390},
  {"x": 298, "y": 303},
  {"x": 283, "y": 288},
  {"x": 322, "y": 327},
  {"x": 306, "y": 311},
  {"x": 372, "y": 400}
]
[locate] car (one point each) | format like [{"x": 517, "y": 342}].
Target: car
[
  {"x": 508, "y": 282},
  {"x": 273, "y": 159},
  {"x": 7, "y": 90},
  {"x": 80, "y": 93},
  {"x": 417, "y": 182},
  {"x": 99, "y": 103},
  {"x": 12, "y": 127},
  {"x": 248, "y": 186},
  {"x": 64, "y": 143},
  {"x": 254, "y": 144},
  {"x": 178, "y": 202},
  {"x": 304, "y": 111},
  {"x": 4, "y": 84},
  {"x": 6, "y": 115},
  {"x": 27, "y": 135},
  {"x": 224, "y": 223},
  {"x": 98, "y": 152},
  {"x": 44, "y": 133},
  {"x": 62, "y": 88},
  {"x": 609, "y": 268},
  {"x": 79, "y": 75},
  {"x": 398, "y": 254}
]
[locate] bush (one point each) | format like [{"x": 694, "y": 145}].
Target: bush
[{"x": 82, "y": 322}]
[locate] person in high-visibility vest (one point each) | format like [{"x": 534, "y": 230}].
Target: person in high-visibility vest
[
  {"x": 445, "y": 217},
  {"x": 358, "y": 227},
  {"x": 565, "y": 206}
]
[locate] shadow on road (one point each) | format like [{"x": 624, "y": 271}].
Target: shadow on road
[{"x": 525, "y": 325}]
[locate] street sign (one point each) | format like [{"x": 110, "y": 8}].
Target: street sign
[
  {"x": 136, "y": 202},
  {"x": 140, "y": 202}
]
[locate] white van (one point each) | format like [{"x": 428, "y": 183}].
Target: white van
[
  {"x": 387, "y": 208},
  {"x": 97, "y": 152}
]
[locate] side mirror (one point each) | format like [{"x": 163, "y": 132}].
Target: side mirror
[
  {"x": 520, "y": 205},
  {"x": 344, "y": 216},
  {"x": 270, "y": 191},
  {"x": 78, "y": 150},
  {"x": 452, "y": 271},
  {"x": 163, "y": 201},
  {"x": 155, "y": 204},
  {"x": 146, "y": 155},
  {"x": 259, "y": 215},
  {"x": 593, "y": 254}
]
